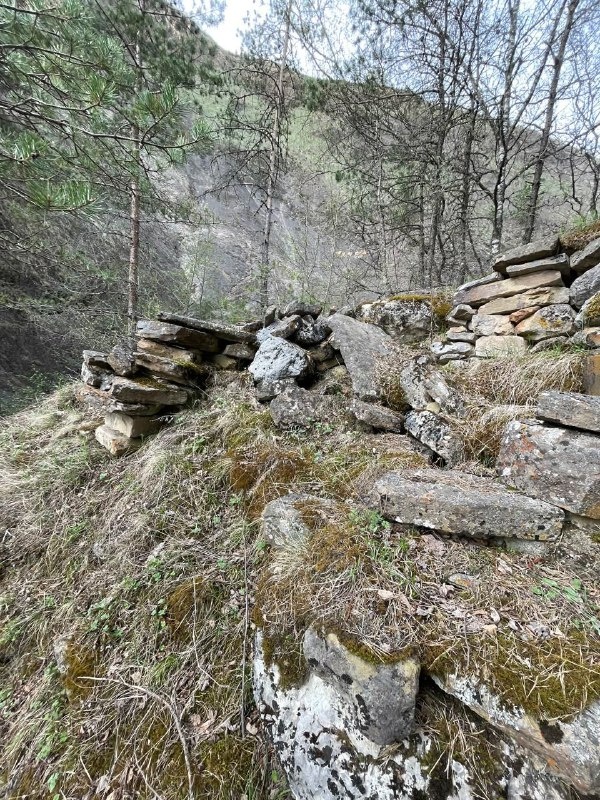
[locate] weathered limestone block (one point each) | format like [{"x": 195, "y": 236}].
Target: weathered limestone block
[
  {"x": 491, "y": 325},
  {"x": 122, "y": 360},
  {"x": 589, "y": 316},
  {"x": 147, "y": 392},
  {"x": 116, "y": 443},
  {"x": 228, "y": 333},
  {"x": 378, "y": 417},
  {"x": 460, "y": 314},
  {"x": 560, "y": 262},
  {"x": 284, "y": 521},
  {"x": 93, "y": 358},
  {"x": 325, "y": 755},
  {"x": 544, "y": 296},
  {"x": 422, "y": 383},
  {"x": 298, "y": 408},
  {"x": 283, "y": 328},
  {"x": 406, "y": 320},
  {"x": 452, "y": 502},
  {"x": 591, "y": 375},
  {"x": 500, "y": 347},
  {"x": 587, "y": 258},
  {"x": 133, "y": 409},
  {"x": 454, "y": 351},
  {"x": 570, "y": 748},
  {"x": 570, "y": 409},
  {"x": 165, "y": 368},
  {"x": 302, "y": 308},
  {"x": 176, "y": 334},
  {"x": 585, "y": 286},
  {"x": 176, "y": 354},
  {"x": 507, "y": 288},
  {"x": 434, "y": 432},
  {"x": 361, "y": 345},
  {"x": 312, "y": 332},
  {"x": 382, "y": 696},
  {"x": 556, "y": 320},
  {"x": 542, "y": 248},
  {"x": 132, "y": 427},
  {"x": 553, "y": 464},
  {"x": 462, "y": 290},
  {"x": 460, "y": 334},
  {"x": 97, "y": 378},
  {"x": 278, "y": 359},
  {"x": 267, "y": 390},
  {"x": 239, "y": 350}
]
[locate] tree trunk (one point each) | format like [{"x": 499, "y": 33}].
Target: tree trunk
[
  {"x": 548, "y": 120},
  {"x": 134, "y": 205},
  {"x": 275, "y": 144}
]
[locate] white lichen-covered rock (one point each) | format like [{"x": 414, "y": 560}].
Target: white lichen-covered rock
[
  {"x": 361, "y": 345},
  {"x": 571, "y": 749},
  {"x": 500, "y": 347},
  {"x": 278, "y": 359},
  {"x": 433, "y": 431},
  {"x": 556, "y": 465},
  {"x": 452, "y": 351},
  {"x": 406, "y": 320},
  {"x": 326, "y": 754},
  {"x": 463, "y": 504},
  {"x": 422, "y": 383},
  {"x": 556, "y": 320},
  {"x": 570, "y": 409},
  {"x": 491, "y": 325}
]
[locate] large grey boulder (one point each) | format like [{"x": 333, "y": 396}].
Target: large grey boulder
[
  {"x": 316, "y": 731},
  {"x": 587, "y": 258},
  {"x": 382, "y": 696},
  {"x": 479, "y": 295},
  {"x": 378, "y": 417},
  {"x": 361, "y": 345},
  {"x": 585, "y": 286},
  {"x": 544, "y": 296},
  {"x": 422, "y": 384},
  {"x": 542, "y": 248},
  {"x": 556, "y": 320},
  {"x": 171, "y": 333},
  {"x": 569, "y": 748},
  {"x": 556, "y": 465},
  {"x": 433, "y": 431},
  {"x": 222, "y": 330},
  {"x": 463, "y": 504},
  {"x": 570, "y": 409},
  {"x": 278, "y": 359},
  {"x": 406, "y": 320},
  {"x": 299, "y": 408}
]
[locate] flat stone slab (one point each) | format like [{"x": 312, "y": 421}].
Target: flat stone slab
[
  {"x": 176, "y": 334},
  {"x": 148, "y": 392},
  {"x": 587, "y": 258},
  {"x": 361, "y": 345},
  {"x": 500, "y": 347},
  {"x": 556, "y": 465},
  {"x": 544, "y": 296},
  {"x": 165, "y": 368},
  {"x": 570, "y": 749},
  {"x": 542, "y": 248},
  {"x": 560, "y": 262},
  {"x": 570, "y": 409},
  {"x": 462, "y": 504},
  {"x": 591, "y": 375},
  {"x": 115, "y": 442},
  {"x": 556, "y": 320},
  {"x": 222, "y": 330},
  {"x": 378, "y": 417},
  {"x": 491, "y": 325},
  {"x": 176, "y": 354},
  {"x": 491, "y": 291}
]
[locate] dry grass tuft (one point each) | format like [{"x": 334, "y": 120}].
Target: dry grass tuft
[{"x": 577, "y": 238}]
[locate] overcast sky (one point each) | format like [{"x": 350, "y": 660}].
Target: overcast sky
[{"x": 226, "y": 34}]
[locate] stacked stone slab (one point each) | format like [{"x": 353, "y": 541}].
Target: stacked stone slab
[
  {"x": 536, "y": 297},
  {"x": 139, "y": 387}
]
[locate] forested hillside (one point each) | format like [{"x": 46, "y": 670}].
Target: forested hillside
[{"x": 338, "y": 158}]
